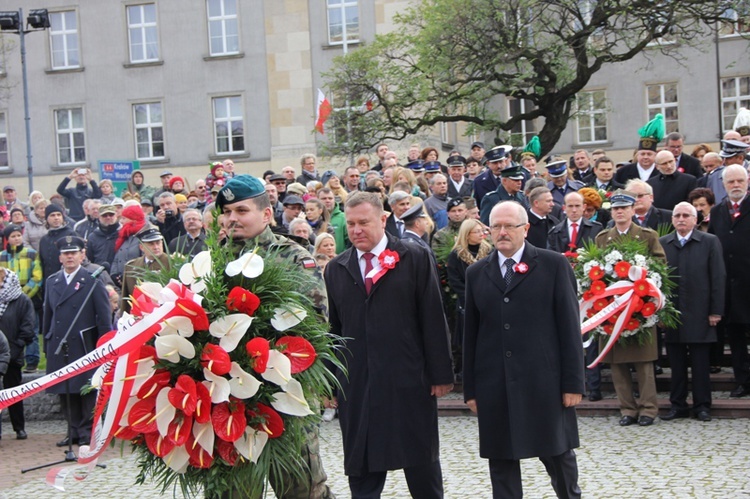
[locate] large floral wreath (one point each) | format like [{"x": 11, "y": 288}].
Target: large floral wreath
[
  {"x": 220, "y": 399},
  {"x": 623, "y": 292}
]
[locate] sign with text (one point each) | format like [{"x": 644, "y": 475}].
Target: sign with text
[{"x": 118, "y": 171}]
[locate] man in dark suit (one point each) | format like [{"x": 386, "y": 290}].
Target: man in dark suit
[
  {"x": 458, "y": 185},
  {"x": 509, "y": 190},
  {"x": 730, "y": 222},
  {"x": 574, "y": 231},
  {"x": 399, "y": 202},
  {"x": 510, "y": 356},
  {"x": 541, "y": 221},
  {"x": 64, "y": 296},
  {"x": 644, "y": 167},
  {"x": 583, "y": 171},
  {"x": 670, "y": 186},
  {"x": 496, "y": 160},
  {"x": 698, "y": 269},
  {"x": 645, "y": 213},
  {"x": 604, "y": 171},
  {"x": 384, "y": 297},
  {"x": 684, "y": 162}
]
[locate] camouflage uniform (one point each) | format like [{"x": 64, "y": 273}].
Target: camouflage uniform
[
  {"x": 446, "y": 235},
  {"x": 286, "y": 250}
]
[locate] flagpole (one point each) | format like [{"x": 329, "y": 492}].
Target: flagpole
[{"x": 348, "y": 124}]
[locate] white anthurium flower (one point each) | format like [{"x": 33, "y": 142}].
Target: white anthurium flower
[
  {"x": 279, "y": 368},
  {"x": 251, "y": 444},
  {"x": 250, "y": 264},
  {"x": 152, "y": 290},
  {"x": 172, "y": 346},
  {"x": 218, "y": 387},
  {"x": 165, "y": 411},
  {"x": 97, "y": 378},
  {"x": 177, "y": 459},
  {"x": 177, "y": 325},
  {"x": 129, "y": 405},
  {"x": 243, "y": 385},
  {"x": 203, "y": 435},
  {"x": 195, "y": 272},
  {"x": 284, "y": 318},
  {"x": 230, "y": 328},
  {"x": 292, "y": 400}
]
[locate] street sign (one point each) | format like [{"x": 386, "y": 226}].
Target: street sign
[{"x": 118, "y": 172}]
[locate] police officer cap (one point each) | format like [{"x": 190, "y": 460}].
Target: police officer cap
[
  {"x": 731, "y": 148},
  {"x": 513, "y": 173},
  {"x": 292, "y": 200},
  {"x": 453, "y": 203},
  {"x": 239, "y": 188},
  {"x": 622, "y": 198},
  {"x": 70, "y": 243},
  {"x": 497, "y": 153},
  {"x": 557, "y": 168},
  {"x": 413, "y": 213},
  {"x": 416, "y": 165},
  {"x": 149, "y": 235},
  {"x": 457, "y": 160},
  {"x": 432, "y": 166}
]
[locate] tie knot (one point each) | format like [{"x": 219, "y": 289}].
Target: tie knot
[
  {"x": 574, "y": 224},
  {"x": 368, "y": 256},
  {"x": 509, "y": 263}
]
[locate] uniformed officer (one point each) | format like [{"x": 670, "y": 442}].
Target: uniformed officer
[
  {"x": 560, "y": 184},
  {"x": 511, "y": 180},
  {"x": 247, "y": 216},
  {"x": 415, "y": 227},
  {"x": 151, "y": 244}
]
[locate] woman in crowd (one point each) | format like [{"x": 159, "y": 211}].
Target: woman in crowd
[
  {"x": 593, "y": 206},
  {"x": 325, "y": 244},
  {"x": 132, "y": 221},
  {"x": 429, "y": 154},
  {"x": 703, "y": 200},
  {"x": 108, "y": 191},
  {"x": 334, "y": 183},
  {"x": 700, "y": 150},
  {"x": 362, "y": 164},
  {"x": 34, "y": 198},
  {"x": 300, "y": 228},
  {"x": 402, "y": 174},
  {"x": 35, "y": 227},
  {"x": 137, "y": 185},
  {"x": 317, "y": 217}
]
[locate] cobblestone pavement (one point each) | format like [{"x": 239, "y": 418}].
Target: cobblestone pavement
[{"x": 679, "y": 459}]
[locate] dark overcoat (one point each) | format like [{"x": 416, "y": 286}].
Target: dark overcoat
[
  {"x": 522, "y": 351},
  {"x": 698, "y": 270},
  {"x": 397, "y": 347},
  {"x": 671, "y": 189},
  {"x": 633, "y": 352},
  {"x": 61, "y": 304},
  {"x": 539, "y": 229},
  {"x": 559, "y": 239},
  {"x": 734, "y": 235}
]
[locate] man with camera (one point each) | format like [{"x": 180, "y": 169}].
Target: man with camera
[
  {"x": 168, "y": 218},
  {"x": 85, "y": 188}
]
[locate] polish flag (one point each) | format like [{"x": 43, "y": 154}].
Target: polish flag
[{"x": 324, "y": 111}]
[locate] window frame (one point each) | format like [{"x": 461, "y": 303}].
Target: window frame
[
  {"x": 590, "y": 114},
  {"x": 71, "y": 131},
  {"x": 4, "y": 140},
  {"x": 662, "y": 106},
  {"x": 64, "y": 34},
  {"x": 223, "y": 18},
  {"x": 737, "y": 99},
  {"x": 341, "y": 7},
  {"x": 149, "y": 126},
  {"x": 142, "y": 27},
  {"x": 524, "y": 124},
  {"x": 228, "y": 121}
]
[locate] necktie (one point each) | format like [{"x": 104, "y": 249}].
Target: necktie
[
  {"x": 509, "y": 270},
  {"x": 574, "y": 233},
  {"x": 683, "y": 241},
  {"x": 641, "y": 220},
  {"x": 400, "y": 226},
  {"x": 736, "y": 206},
  {"x": 368, "y": 267}
]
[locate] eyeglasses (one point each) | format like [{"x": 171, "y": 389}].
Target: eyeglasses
[
  {"x": 671, "y": 161},
  {"x": 106, "y": 215},
  {"x": 681, "y": 215},
  {"x": 477, "y": 231},
  {"x": 505, "y": 227},
  {"x": 639, "y": 196}
]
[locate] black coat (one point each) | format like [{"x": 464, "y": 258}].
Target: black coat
[
  {"x": 187, "y": 245},
  {"x": 466, "y": 189},
  {"x": 61, "y": 304},
  {"x": 100, "y": 247},
  {"x": 484, "y": 183},
  {"x": 172, "y": 228},
  {"x": 391, "y": 227},
  {"x": 734, "y": 235},
  {"x": 690, "y": 165},
  {"x": 17, "y": 324},
  {"x": 397, "y": 348},
  {"x": 671, "y": 189},
  {"x": 612, "y": 185},
  {"x": 76, "y": 195},
  {"x": 48, "y": 252},
  {"x": 539, "y": 229},
  {"x": 698, "y": 270},
  {"x": 520, "y": 358},
  {"x": 626, "y": 172},
  {"x": 412, "y": 238},
  {"x": 559, "y": 239}
]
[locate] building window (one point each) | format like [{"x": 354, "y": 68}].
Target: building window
[
  {"x": 223, "y": 34},
  {"x": 229, "y": 125},
  {"x": 63, "y": 36},
  {"x": 524, "y": 130},
  {"x": 735, "y": 93},
  {"x": 142, "y": 33},
  {"x": 71, "y": 141},
  {"x": 149, "y": 130},
  {"x": 3, "y": 142},
  {"x": 736, "y": 21},
  {"x": 343, "y": 13},
  {"x": 592, "y": 116},
  {"x": 448, "y": 134},
  {"x": 662, "y": 99}
]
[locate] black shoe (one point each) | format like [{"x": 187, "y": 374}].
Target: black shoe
[
  {"x": 30, "y": 369},
  {"x": 715, "y": 369},
  {"x": 21, "y": 435},
  {"x": 703, "y": 416},
  {"x": 740, "y": 391},
  {"x": 84, "y": 441},
  {"x": 636, "y": 394},
  {"x": 66, "y": 441},
  {"x": 595, "y": 396},
  {"x": 675, "y": 414},
  {"x": 658, "y": 370},
  {"x": 645, "y": 421},
  {"x": 627, "y": 421}
]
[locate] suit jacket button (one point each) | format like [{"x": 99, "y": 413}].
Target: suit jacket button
[
  {"x": 506, "y": 299},
  {"x": 508, "y": 354},
  {"x": 507, "y": 326}
]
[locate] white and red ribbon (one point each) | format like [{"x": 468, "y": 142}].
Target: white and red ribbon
[{"x": 625, "y": 301}]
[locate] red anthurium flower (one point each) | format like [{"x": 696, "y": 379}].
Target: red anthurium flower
[
  {"x": 183, "y": 396},
  {"x": 227, "y": 451},
  {"x": 125, "y": 433},
  {"x": 608, "y": 328},
  {"x": 147, "y": 352},
  {"x": 622, "y": 268},
  {"x": 180, "y": 429},
  {"x": 203, "y": 404},
  {"x": 228, "y": 420},
  {"x": 193, "y": 311},
  {"x": 600, "y": 304},
  {"x": 265, "y": 418},
  {"x": 216, "y": 359},
  {"x": 140, "y": 303},
  {"x": 598, "y": 287},
  {"x": 595, "y": 273},
  {"x": 300, "y": 352},
  {"x": 158, "y": 445},
  {"x": 105, "y": 338},
  {"x": 632, "y": 324},
  {"x": 242, "y": 300},
  {"x": 641, "y": 287},
  {"x": 151, "y": 386},
  {"x": 648, "y": 309},
  {"x": 587, "y": 295},
  {"x": 258, "y": 349},
  {"x": 141, "y": 417},
  {"x": 199, "y": 458}
]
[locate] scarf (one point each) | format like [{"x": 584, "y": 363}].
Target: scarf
[
  {"x": 465, "y": 254},
  {"x": 9, "y": 291},
  {"x": 127, "y": 230}
]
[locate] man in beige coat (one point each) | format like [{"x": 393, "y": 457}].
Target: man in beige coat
[{"x": 644, "y": 410}]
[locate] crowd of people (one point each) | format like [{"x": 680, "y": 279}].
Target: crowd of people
[{"x": 453, "y": 214}]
